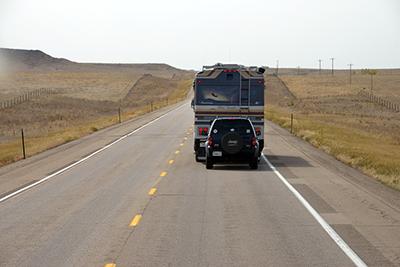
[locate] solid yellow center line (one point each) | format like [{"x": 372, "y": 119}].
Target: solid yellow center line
[
  {"x": 152, "y": 191},
  {"x": 171, "y": 161},
  {"x": 135, "y": 221},
  {"x": 177, "y": 152},
  {"x": 163, "y": 174},
  {"x": 110, "y": 265}
]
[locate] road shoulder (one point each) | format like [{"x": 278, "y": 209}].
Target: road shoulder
[{"x": 364, "y": 212}]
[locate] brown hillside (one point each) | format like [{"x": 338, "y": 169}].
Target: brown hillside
[{"x": 149, "y": 88}]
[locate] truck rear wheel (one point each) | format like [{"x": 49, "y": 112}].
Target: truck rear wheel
[
  {"x": 261, "y": 144},
  {"x": 198, "y": 158}
]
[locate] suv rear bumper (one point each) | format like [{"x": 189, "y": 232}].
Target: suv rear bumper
[{"x": 242, "y": 156}]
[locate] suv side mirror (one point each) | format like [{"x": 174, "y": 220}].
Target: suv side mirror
[{"x": 192, "y": 104}]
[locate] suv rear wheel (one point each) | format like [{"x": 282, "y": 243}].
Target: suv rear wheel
[
  {"x": 209, "y": 163},
  {"x": 254, "y": 163}
]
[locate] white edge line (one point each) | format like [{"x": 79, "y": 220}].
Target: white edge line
[
  {"x": 85, "y": 158},
  {"x": 331, "y": 232}
]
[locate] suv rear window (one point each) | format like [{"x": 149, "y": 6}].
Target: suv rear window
[{"x": 241, "y": 127}]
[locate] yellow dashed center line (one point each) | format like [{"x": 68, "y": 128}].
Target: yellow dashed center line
[
  {"x": 177, "y": 152},
  {"x": 181, "y": 144},
  {"x": 163, "y": 174},
  {"x": 185, "y": 138},
  {"x": 110, "y": 265},
  {"x": 135, "y": 221},
  {"x": 152, "y": 191},
  {"x": 170, "y": 161}
]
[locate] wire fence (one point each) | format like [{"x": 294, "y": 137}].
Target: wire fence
[
  {"x": 26, "y": 97},
  {"x": 380, "y": 101}
]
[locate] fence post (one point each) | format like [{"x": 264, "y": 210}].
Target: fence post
[
  {"x": 119, "y": 114},
  {"x": 23, "y": 143},
  {"x": 291, "y": 123},
  {"x": 151, "y": 105}
]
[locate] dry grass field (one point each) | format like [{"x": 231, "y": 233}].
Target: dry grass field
[
  {"x": 330, "y": 115},
  {"x": 87, "y": 98},
  {"x": 88, "y": 85}
]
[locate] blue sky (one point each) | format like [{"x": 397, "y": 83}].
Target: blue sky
[{"x": 189, "y": 34}]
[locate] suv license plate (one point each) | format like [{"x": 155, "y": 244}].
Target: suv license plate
[
  {"x": 217, "y": 153},
  {"x": 202, "y": 144}
]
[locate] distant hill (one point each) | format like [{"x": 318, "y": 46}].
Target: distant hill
[
  {"x": 36, "y": 60},
  {"x": 23, "y": 60}
]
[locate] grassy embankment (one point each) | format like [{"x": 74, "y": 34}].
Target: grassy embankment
[
  {"x": 68, "y": 128},
  {"x": 329, "y": 115}
]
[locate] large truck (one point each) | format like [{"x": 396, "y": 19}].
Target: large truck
[{"x": 227, "y": 90}]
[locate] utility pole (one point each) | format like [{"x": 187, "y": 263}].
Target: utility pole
[
  {"x": 319, "y": 60},
  {"x": 332, "y": 59},
  {"x": 277, "y": 67},
  {"x": 350, "y": 65}
]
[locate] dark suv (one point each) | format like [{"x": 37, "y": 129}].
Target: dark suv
[{"x": 232, "y": 140}]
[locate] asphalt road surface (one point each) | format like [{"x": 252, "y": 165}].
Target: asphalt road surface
[{"x": 143, "y": 201}]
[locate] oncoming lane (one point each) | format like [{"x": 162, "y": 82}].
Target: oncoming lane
[{"x": 81, "y": 216}]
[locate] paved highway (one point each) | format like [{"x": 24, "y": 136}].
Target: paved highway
[{"x": 143, "y": 201}]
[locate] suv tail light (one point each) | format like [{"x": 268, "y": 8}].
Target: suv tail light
[
  {"x": 253, "y": 141},
  {"x": 210, "y": 141},
  {"x": 203, "y": 130}
]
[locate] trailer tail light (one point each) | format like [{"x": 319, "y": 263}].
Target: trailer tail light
[
  {"x": 258, "y": 131},
  {"x": 253, "y": 141},
  {"x": 210, "y": 142},
  {"x": 203, "y": 130}
]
